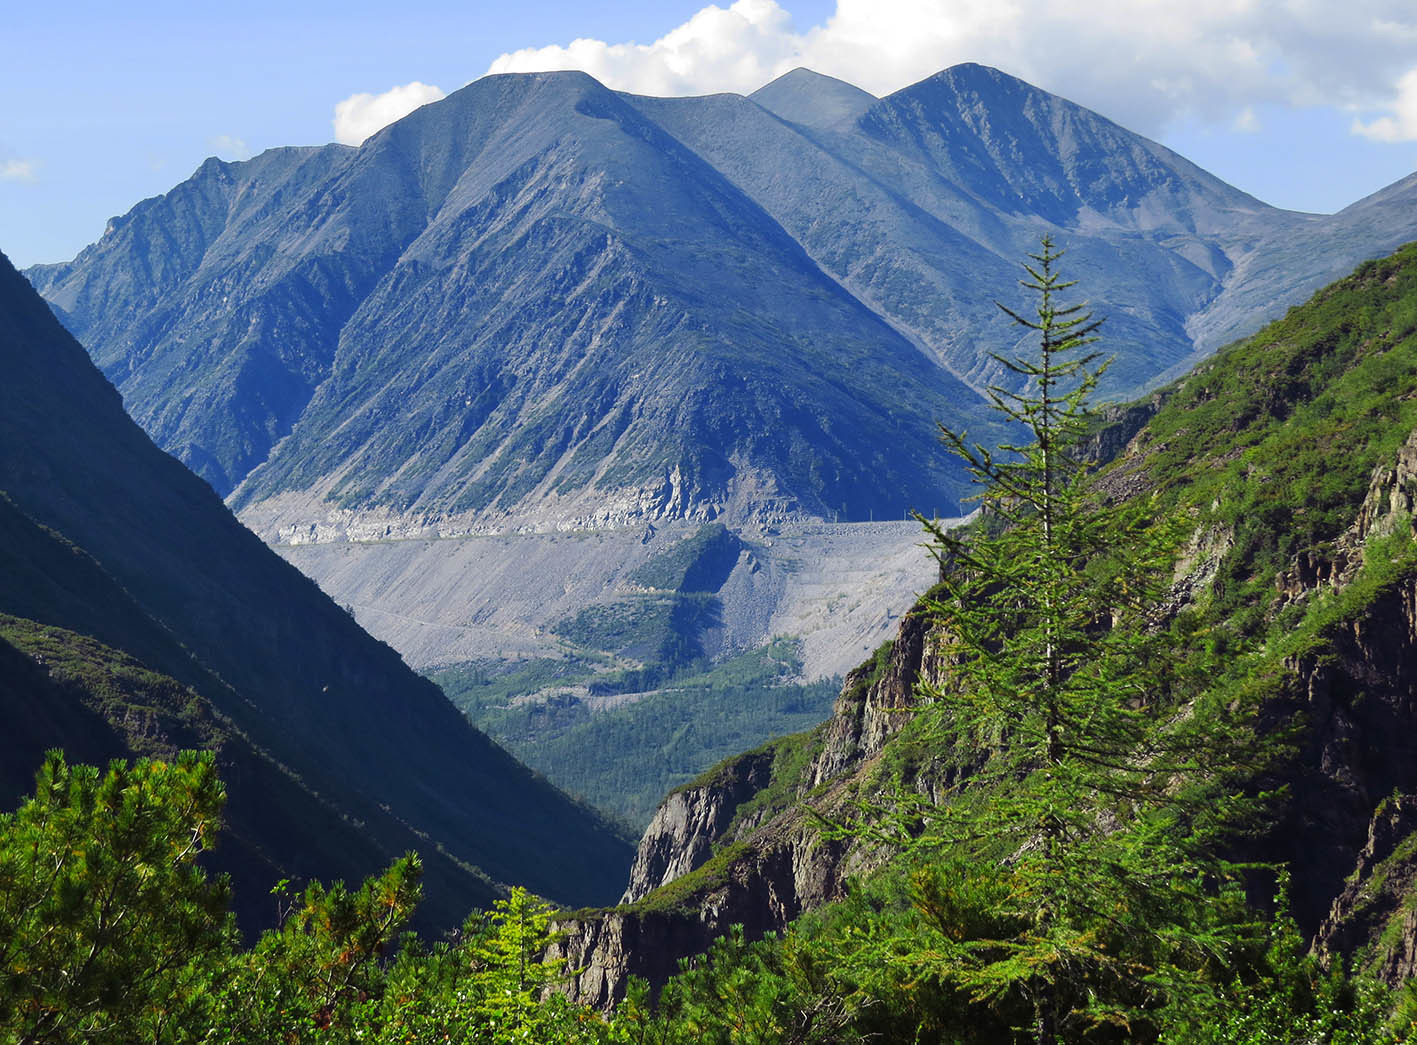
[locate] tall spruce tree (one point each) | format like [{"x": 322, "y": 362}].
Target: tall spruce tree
[{"x": 1081, "y": 887}]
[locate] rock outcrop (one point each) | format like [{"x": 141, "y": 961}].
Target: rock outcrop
[
  {"x": 690, "y": 820},
  {"x": 739, "y": 846},
  {"x": 1357, "y": 695},
  {"x": 1374, "y": 913}
]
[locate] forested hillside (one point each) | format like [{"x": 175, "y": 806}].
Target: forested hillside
[{"x": 1281, "y": 476}]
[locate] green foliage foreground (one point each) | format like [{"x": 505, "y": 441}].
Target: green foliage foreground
[{"x": 111, "y": 931}]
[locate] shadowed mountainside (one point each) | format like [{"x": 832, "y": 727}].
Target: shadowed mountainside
[{"x": 340, "y": 758}]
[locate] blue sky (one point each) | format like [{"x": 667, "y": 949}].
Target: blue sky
[{"x": 1309, "y": 104}]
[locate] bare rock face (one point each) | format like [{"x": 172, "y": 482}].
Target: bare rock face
[
  {"x": 1348, "y": 833},
  {"x": 761, "y": 885},
  {"x": 870, "y": 710},
  {"x": 1358, "y": 696},
  {"x": 1370, "y": 911},
  {"x": 1392, "y": 491},
  {"x": 619, "y": 944},
  {"x": 689, "y": 821}
]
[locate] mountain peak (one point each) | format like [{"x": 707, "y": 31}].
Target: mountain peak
[
  {"x": 971, "y": 78},
  {"x": 812, "y": 99}
]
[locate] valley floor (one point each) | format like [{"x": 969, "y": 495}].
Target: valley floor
[{"x": 839, "y": 588}]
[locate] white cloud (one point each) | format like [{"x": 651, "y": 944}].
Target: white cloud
[
  {"x": 1401, "y": 125},
  {"x": 739, "y": 49},
  {"x": 230, "y": 145},
  {"x": 1247, "y": 121},
  {"x": 360, "y": 115},
  {"x": 1145, "y": 63},
  {"x": 16, "y": 170}
]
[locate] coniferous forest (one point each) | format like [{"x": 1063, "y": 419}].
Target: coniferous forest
[{"x": 1161, "y": 664}]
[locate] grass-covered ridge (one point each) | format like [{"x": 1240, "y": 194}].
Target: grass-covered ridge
[
  {"x": 156, "y": 715},
  {"x": 1261, "y": 460},
  {"x": 1274, "y": 440}
]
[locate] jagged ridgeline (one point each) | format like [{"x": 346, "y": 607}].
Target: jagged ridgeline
[
  {"x": 1291, "y": 461},
  {"x": 137, "y": 616}
]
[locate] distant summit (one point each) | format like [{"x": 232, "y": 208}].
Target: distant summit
[{"x": 813, "y": 100}]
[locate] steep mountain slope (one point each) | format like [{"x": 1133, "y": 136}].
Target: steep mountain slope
[
  {"x": 538, "y": 303},
  {"x": 920, "y": 202},
  {"x": 1294, "y": 456},
  {"x": 109, "y": 537},
  {"x": 576, "y": 333},
  {"x": 214, "y": 292}
]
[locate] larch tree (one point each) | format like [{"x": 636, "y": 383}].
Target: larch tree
[{"x": 1076, "y": 885}]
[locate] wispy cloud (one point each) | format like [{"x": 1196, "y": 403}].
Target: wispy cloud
[
  {"x": 1400, "y": 125},
  {"x": 360, "y": 115},
  {"x": 230, "y": 146},
  {"x": 13, "y": 169},
  {"x": 1246, "y": 121}
]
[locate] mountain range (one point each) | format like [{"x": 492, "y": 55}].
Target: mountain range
[{"x": 540, "y": 303}]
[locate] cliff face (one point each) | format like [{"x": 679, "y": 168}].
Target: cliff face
[
  {"x": 762, "y": 885},
  {"x": 1358, "y": 697},
  {"x": 1375, "y": 908},
  {"x": 1356, "y": 694},
  {"x": 1356, "y": 774},
  {"x": 688, "y": 822}
]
